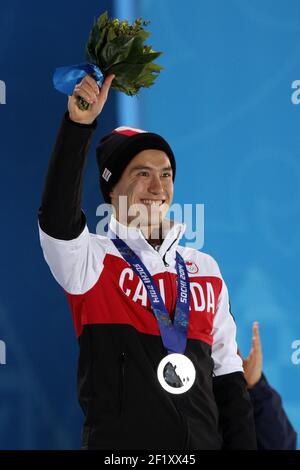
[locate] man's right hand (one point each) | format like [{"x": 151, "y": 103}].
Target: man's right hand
[{"x": 93, "y": 94}]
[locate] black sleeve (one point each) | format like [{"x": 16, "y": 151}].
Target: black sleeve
[
  {"x": 60, "y": 214},
  {"x": 235, "y": 412},
  {"x": 273, "y": 429}
]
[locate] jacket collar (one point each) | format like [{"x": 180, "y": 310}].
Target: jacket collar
[{"x": 135, "y": 239}]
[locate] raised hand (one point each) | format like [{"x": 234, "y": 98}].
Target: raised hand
[
  {"x": 253, "y": 363},
  {"x": 93, "y": 94}
]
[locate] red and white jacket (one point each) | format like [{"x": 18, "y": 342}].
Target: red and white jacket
[{"x": 102, "y": 288}]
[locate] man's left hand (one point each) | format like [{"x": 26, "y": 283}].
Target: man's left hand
[{"x": 253, "y": 363}]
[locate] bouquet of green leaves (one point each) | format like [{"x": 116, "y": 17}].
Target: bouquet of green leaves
[{"x": 117, "y": 47}]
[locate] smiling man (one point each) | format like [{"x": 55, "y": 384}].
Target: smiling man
[{"x": 158, "y": 365}]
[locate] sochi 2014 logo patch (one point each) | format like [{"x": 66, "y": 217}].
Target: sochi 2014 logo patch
[{"x": 191, "y": 267}]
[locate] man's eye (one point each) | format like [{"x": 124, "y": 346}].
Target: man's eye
[
  {"x": 143, "y": 173},
  {"x": 166, "y": 174}
]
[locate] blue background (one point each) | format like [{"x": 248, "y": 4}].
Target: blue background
[{"x": 224, "y": 104}]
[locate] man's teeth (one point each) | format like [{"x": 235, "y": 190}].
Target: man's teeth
[{"x": 151, "y": 202}]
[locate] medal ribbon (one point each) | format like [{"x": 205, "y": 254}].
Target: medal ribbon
[
  {"x": 65, "y": 78},
  {"x": 174, "y": 335}
]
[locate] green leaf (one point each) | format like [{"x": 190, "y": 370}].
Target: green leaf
[
  {"x": 143, "y": 35},
  {"x": 111, "y": 35},
  {"x": 116, "y": 50},
  {"x": 96, "y": 40},
  {"x": 102, "y": 20},
  {"x": 100, "y": 46},
  {"x": 155, "y": 67},
  {"x": 146, "y": 79},
  {"x": 146, "y": 58},
  {"x": 137, "y": 54},
  {"x": 125, "y": 73}
]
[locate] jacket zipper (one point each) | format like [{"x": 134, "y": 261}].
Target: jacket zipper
[
  {"x": 185, "y": 426},
  {"x": 122, "y": 382},
  {"x": 164, "y": 257}
]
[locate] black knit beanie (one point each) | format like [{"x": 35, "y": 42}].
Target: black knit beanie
[{"x": 117, "y": 149}]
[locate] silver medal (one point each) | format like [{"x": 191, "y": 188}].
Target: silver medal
[{"x": 176, "y": 373}]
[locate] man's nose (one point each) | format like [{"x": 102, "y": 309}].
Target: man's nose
[{"x": 156, "y": 186}]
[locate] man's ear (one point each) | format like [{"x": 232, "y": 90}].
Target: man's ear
[{"x": 112, "y": 193}]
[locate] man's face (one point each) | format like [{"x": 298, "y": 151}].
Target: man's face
[{"x": 147, "y": 185}]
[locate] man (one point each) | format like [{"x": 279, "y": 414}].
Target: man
[
  {"x": 273, "y": 428},
  {"x": 158, "y": 365}
]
